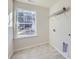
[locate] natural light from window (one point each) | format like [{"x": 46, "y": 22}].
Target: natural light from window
[{"x": 26, "y": 23}]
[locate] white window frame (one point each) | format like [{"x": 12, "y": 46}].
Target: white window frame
[{"x": 31, "y": 35}]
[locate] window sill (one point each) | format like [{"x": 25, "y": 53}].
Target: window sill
[{"x": 25, "y": 36}]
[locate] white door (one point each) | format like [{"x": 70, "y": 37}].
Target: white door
[
  {"x": 68, "y": 32},
  {"x": 59, "y": 32}
]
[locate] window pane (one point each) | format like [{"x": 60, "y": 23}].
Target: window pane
[
  {"x": 28, "y": 18},
  {"x": 20, "y": 20},
  {"x": 21, "y": 27},
  {"x": 28, "y": 26},
  {"x": 20, "y": 14},
  {"x": 26, "y": 22}
]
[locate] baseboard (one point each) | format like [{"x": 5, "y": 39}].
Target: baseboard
[
  {"x": 39, "y": 44},
  {"x": 60, "y": 52}
]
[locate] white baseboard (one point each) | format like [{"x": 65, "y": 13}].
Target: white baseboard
[
  {"x": 60, "y": 52},
  {"x": 39, "y": 44}
]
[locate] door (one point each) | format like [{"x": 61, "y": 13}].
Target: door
[{"x": 60, "y": 32}]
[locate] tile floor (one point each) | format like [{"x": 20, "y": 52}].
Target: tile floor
[{"x": 40, "y": 52}]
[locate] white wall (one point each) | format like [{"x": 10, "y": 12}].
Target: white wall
[
  {"x": 10, "y": 30},
  {"x": 10, "y": 42},
  {"x": 42, "y": 26},
  {"x": 62, "y": 25}
]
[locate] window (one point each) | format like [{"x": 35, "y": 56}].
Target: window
[
  {"x": 10, "y": 20},
  {"x": 26, "y": 23}
]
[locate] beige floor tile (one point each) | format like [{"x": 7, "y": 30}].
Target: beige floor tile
[{"x": 40, "y": 52}]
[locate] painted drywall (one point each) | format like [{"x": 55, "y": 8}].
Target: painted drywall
[
  {"x": 42, "y": 26},
  {"x": 61, "y": 24},
  {"x": 43, "y": 3},
  {"x": 10, "y": 30},
  {"x": 10, "y": 42}
]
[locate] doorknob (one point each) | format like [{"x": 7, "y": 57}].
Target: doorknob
[
  {"x": 69, "y": 34},
  {"x": 54, "y": 30}
]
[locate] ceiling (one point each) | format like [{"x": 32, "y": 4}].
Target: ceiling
[{"x": 44, "y": 3}]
